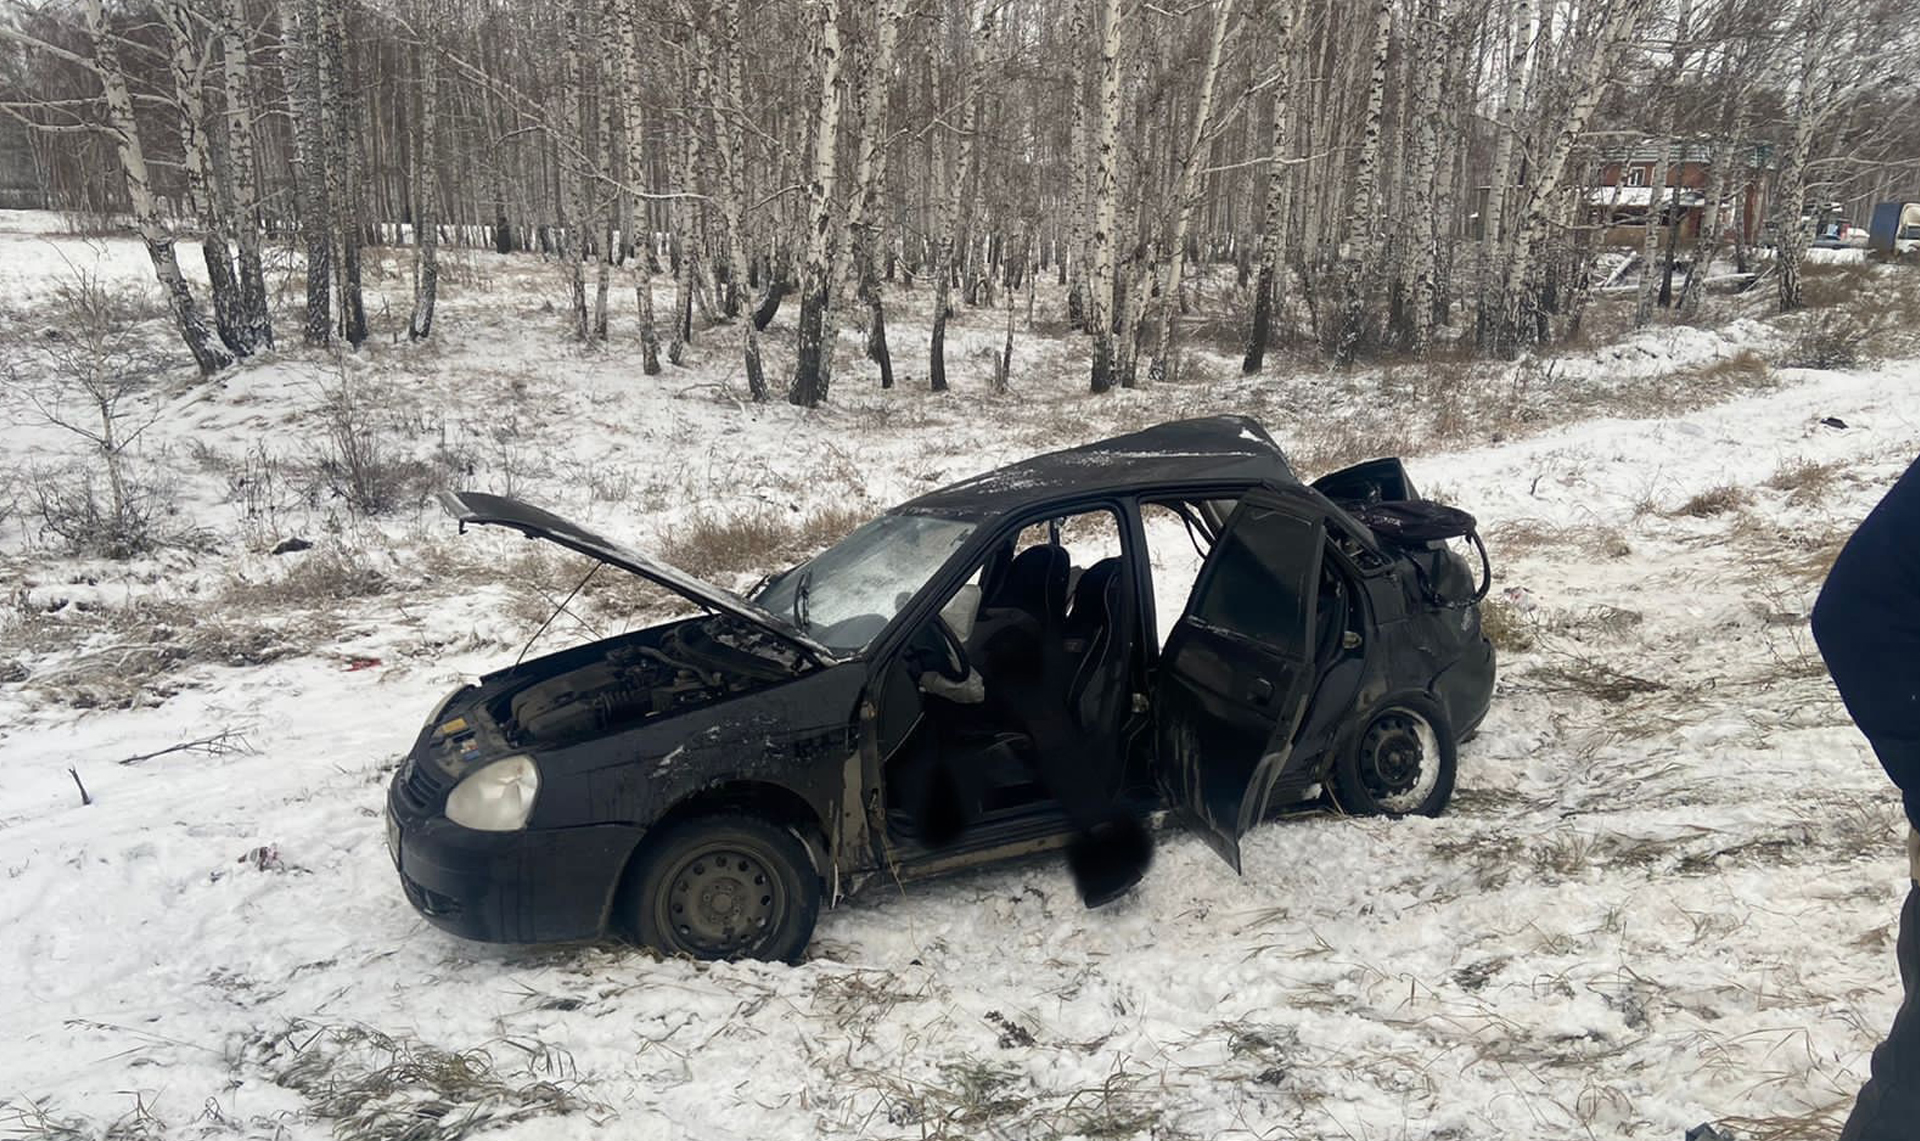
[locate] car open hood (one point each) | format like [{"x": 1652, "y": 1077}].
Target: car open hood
[{"x": 479, "y": 507}]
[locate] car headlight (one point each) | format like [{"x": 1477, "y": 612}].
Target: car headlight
[{"x": 496, "y": 798}]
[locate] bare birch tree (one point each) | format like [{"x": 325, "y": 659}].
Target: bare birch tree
[{"x": 814, "y": 349}]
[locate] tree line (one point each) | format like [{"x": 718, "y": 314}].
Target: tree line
[{"x": 1379, "y": 175}]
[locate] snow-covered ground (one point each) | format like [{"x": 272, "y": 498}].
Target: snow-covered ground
[{"x": 1664, "y": 894}]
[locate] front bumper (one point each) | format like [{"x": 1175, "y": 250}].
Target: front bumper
[{"x": 542, "y": 886}]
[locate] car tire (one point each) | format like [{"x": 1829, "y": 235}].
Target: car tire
[
  {"x": 1401, "y": 762},
  {"x": 727, "y": 886}
]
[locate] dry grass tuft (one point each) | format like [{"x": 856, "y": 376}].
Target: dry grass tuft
[
  {"x": 1743, "y": 370},
  {"x": 1715, "y": 501},
  {"x": 131, "y": 652},
  {"x": 723, "y": 548},
  {"x": 1509, "y": 629},
  {"x": 1591, "y": 677},
  {"x": 1804, "y": 481},
  {"x": 373, "y": 1085}
]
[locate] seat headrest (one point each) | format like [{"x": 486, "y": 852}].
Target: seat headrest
[
  {"x": 1097, "y": 590},
  {"x": 1036, "y": 581}
]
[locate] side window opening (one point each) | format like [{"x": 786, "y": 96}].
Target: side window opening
[
  {"x": 1180, "y": 535},
  {"x": 1251, "y": 591}
]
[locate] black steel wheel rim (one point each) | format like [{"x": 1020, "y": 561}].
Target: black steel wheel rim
[
  {"x": 1399, "y": 760},
  {"x": 720, "y": 900}
]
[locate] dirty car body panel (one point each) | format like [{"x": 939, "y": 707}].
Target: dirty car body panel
[{"x": 1300, "y": 622}]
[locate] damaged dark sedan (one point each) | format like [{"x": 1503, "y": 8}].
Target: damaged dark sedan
[{"x": 1228, "y": 639}]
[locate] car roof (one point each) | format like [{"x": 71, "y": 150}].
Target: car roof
[{"x": 1214, "y": 449}]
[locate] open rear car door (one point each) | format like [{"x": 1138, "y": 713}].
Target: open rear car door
[{"x": 1237, "y": 670}]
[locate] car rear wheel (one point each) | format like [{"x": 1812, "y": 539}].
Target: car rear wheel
[
  {"x": 1401, "y": 764},
  {"x": 723, "y": 887}
]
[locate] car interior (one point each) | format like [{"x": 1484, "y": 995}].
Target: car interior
[
  {"x": 1040, "y": 640},
  {"x": 1046, "y": 637}
]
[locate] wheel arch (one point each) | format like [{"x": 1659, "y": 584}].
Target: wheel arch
[{"x": 775, "y": 803}]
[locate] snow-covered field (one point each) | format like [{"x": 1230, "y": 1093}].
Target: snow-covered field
[{"x": 1664, "y": 894}]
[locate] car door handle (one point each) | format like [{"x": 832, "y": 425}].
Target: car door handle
[{"x": 1261, "y": 691}]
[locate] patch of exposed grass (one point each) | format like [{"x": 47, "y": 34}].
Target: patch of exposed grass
[
  {"x": 1804, "y": 481},
  {"x": 1743, "y": 370},
  {"x": 309, "y": 578},
  {"x": 1591, "y": 677},
  {"x": 1510, "y": 630},
  {"x": 370, "y": 1085},
  {"x": 723, "y": 548},
  {"x": 125, "y": 657},
  {"x": 1714, "y": 501}
]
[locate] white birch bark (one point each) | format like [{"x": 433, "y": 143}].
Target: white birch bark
[
  {"x": 814, "y": 351},
  {"x": 1790, "y": 221},
  {"x": 573, "y": 222},
  {"x": 1359, "y": 255},
  {"x": 1185, "y": 192},
  {"x": 256, "y": 314},
  {"x": 1273, "y": 219},
  {"x": 870, "y": 176},
  {"x": 626, "y": 20},
  {"x": 340, "y": 112},
  {"x": 1493, "y": 213},
  {"x": 954, "y": 193},
  {"x": 426, "y": 204},
  {"x": 1105, "y": 199},
  {"x": 185, "y": 63},
  {"x": 734, "y": 210},
  {"x": 1421, "y": 210},
  {"x": 147, "y": 217},
  {"x": 1596, "y": 60}
]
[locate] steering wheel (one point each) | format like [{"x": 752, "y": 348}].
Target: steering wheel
[{"x": 954, "y": 665}]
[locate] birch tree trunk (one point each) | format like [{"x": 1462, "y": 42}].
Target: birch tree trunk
[
  {"x": 340, "y": 110},
  {"x": 1492, "y": 214},
  {"x": 734, "y": 210},
  {"x": 1652, "y": 223},
  {"x": 626, "y": 20},
  {"x": 1421, "y": 213},
  {"x": 686, "y": 221},
  {"x": 1597, "y": 59},
  {"x": 1190, "y": 161},
  {"x": 256, "y": 318},
  {"x": 600, "y": 147},
  {"x": 1722, "y": 186},
  {"x": 300, "y": 58},
  {"x": 147, "y": 218},
  {"x": 951, "y": 201},
  {"x": 573, "y": 221},
  {"x": 1358, "y": 253},
  {"x": 1074, "y": 264},
  {"x": 426, "y": 205},
  {"x": 185, "y": 63},
  {"x": 814, "y": 349},
  {"x": 1105, "y": 200},
  {"x": 1790, "y": 199},
  {"x": 870, "y": 176},
  {"x": 1274, "y": 218}
]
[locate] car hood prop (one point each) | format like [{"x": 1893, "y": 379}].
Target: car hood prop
[{"x": 497, "y": 510}]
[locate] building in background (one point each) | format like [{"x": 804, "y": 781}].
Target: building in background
[{"x": 1624, "y": 196}]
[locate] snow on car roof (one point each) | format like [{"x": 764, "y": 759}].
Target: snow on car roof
[{"x": 1227, "y": 449}]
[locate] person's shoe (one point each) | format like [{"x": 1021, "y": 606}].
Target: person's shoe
[
  {"x": 1707, "y": 1131},
  {"x": 1108, "y": 859}
]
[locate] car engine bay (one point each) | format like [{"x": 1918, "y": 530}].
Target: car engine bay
[{"x": 633, "y": 681}]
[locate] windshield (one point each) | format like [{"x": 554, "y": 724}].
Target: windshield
[{"x": 847, "y": 594}]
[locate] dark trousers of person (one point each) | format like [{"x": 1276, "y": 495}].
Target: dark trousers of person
[{"x": 1888, "y": 1108}]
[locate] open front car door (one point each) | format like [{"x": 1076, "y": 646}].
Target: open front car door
[{"x": 1237, "y": 670}]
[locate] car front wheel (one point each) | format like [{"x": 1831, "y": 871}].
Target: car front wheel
[
  {"x": 1402, "y": 763},
  {"x": 723, "y": 887}
]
